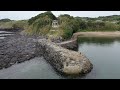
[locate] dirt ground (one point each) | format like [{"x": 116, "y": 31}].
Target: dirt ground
[{"x": 97, "y": 34}]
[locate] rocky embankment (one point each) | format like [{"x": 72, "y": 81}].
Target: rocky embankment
[
  {"x": 19, "y": 48},
  {"x": 65, "y": 61},
  {"x": 16, "y": 49}
]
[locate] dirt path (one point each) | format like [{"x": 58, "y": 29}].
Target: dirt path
[{"x": 96, "y": 34}]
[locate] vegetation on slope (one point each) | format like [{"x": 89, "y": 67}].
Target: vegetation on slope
[
  {"x": 12, "y": 24},
  {"x": 42, "y": 24},
  {"x": 68, "y": 25},
  {"x": 99, "y": 26}
]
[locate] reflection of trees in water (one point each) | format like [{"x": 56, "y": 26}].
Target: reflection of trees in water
[{"x": 98, "y": 40}]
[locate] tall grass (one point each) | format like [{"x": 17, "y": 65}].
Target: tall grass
[{"x": 14, "y": 24}]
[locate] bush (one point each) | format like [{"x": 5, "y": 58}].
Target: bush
[
  {"x": 41, "y": 24},
  {"x": 69, "y": 25},
  {"x": 47, "y": 14}
]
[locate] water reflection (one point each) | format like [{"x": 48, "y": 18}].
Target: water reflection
[
  {"x": 104, "y": 55},
  {"x": 98, "y": 40}
]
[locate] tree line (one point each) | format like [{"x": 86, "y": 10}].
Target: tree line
[{"x": 42, "y": 24}]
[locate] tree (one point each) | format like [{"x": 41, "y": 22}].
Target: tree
[
  {"x": 83, "y": 25},
  {"x": 42, "y": 15}
]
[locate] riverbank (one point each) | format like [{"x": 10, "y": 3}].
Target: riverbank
[{"x": 96, "y": 34}]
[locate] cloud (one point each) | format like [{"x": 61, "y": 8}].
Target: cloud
[{"x": 19, "y": 15}]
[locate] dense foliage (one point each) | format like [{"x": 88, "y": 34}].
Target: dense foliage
[
  {"x": 110, "y": 18},
  {"x": 46, "y": 15},
  {"x": 41, "y": 24},
  {"x": 68, "y": 24}
]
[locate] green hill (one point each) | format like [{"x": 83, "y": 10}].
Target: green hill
[{"x": 42, "y": 25}]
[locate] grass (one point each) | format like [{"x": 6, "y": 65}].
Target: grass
[
  {"x": 55, "y": 33},
  {"x": 13, "y": 24}
]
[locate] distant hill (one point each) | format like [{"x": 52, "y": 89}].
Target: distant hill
[
  {"x": 5, "y": 20},
  {"x": 104, "y": 18},
  {"x": 110, "y": 18},
  {"x": 47, "y": 15}
]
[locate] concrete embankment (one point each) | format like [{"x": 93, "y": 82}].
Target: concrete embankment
[
  {"x": 63, "y": 60},
  {"x": 71, "y": 44}
]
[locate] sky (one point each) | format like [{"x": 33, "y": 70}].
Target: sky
[{"x": 20, "y": 15}]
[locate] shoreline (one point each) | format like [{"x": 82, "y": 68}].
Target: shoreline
[{"x": 96, "y": 34}]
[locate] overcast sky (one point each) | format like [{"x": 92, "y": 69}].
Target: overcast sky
[{"x": 18, "y": 15}]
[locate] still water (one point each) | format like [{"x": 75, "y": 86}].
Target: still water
[
  {"x": 104, "y": 53},
  {"x": 36, "y": 68}
]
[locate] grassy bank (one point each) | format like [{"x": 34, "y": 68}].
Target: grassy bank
[{"x": 13, "y": 24}]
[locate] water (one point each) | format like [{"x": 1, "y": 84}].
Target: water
[
  {"x": 36, "y": 68},
  {"x": 104, "y": 53}
]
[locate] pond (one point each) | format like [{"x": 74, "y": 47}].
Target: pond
[{"x": 104, "y": 54}]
